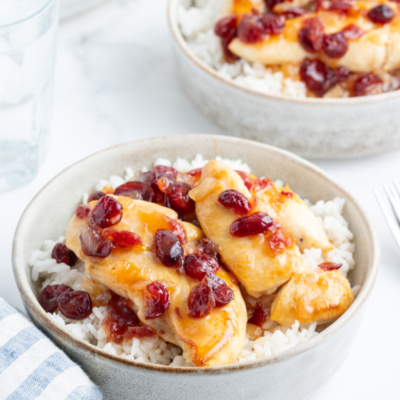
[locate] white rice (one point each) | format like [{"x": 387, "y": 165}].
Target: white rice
[
  {"x": 154, "y": 349},
  {"x": 197, "y": 19}
]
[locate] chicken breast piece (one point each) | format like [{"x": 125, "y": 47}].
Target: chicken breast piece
[
  {"x": 250, "y": 258},
  {"x": 375, "y": 50},
  {"x": 216, "y": 339},
  {"x": 292, "y": 212},
  {"x": 312, "y": 297}
]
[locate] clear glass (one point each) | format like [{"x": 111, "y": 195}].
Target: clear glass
[{"x": 27, "y": 53}]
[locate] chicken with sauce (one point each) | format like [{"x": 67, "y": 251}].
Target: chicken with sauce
[
  {"x": 350, "y": 44},
  {"x": 132, "y": 271},
  {"x": 259, "y": 268},
  {"x": 150, "y": 267}
]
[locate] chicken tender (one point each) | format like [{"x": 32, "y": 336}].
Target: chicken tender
[
  {"x": 258, "y": 268},
  {"x": 312, "y": 297}
]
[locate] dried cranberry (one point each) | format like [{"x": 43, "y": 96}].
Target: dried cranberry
[
  {"x": 229, "y": 57},
  {"x": 168, "y": 248},
  {"x": 381, "y": 14},
  {"x": 201, "y": 301},
  {"x": 178, "y": 195},
  {"x": 135, "y": 190},
  {"x": 317, "y": 76},
  {"x": 335, "y": 45},
  {"x": 106, "y": 212},
  {"x": 177, "y": 229},
  {"x": 316, "y": 5},
  {"x": 225, "y": 28},
  {"x": 113, "y": 329},
  {"x": 272, "y": 3},
  {"x": 341, "y": 6},
  {"x": 93, "y": 243},
  {"x": 162, "y": 171},
  {"x": 157, "y": 302},
  {"x": 272, "y": 23},
  {"x": 96, "y": 196},
  {"x": 82, "y": 211},
  {"x": 222, "y": 293},
  {"x": 367, "y": 83},
  {"x": 75, "y": 304},
  {"x": 329, "y": 266},
  {"x": 342, "y": 73},
  {"x": 144, "y": 177},
  {"x": 49, "y": 296},
  {"x": 250, "y": 29},
  {"x": 195, "y": 173},
  {"x": 235, "y": 201},
  {"x": 352, "y": 31},
  {"x": 294, "y": 12},
  {"x": 200, "y": 265},
  {"x": 311, "y": 34},
  {"x": 62, "y": 254},
  {"x": 139, "y": 332},
  {"x": 259, "y": 316},
  {"x": 122, "y": 238},
  {"x": 252, "y": 225},
  {"x": 121, "y": 312},
  {"x": 246, "y": 179},
  {"x": 207, "y": 246}
]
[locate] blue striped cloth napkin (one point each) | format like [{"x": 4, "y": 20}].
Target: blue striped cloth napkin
[{"x": 32, "y": 367}]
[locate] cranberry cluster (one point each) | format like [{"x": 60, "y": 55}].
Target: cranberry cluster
[
  {"x": 62, "y": 254},
  {"x": 211, "y": 292},
  {"x": 158, "y": 186},
  {"x": 313, "y": 39},
  {"x": 252, "y": 28},
  {"x": 97, "y": 238},
  {"x": 122, "y": 323},
  {"x": 319, "y": 78},
  {"x": 73, "y": 304},
  {"x": 201, "y": 265},
  {"x": 258, "y": 222}
]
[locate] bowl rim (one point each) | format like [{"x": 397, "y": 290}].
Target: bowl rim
[
  {"x": 33, "y": 307},
  {"x": 351, "y": 101}
]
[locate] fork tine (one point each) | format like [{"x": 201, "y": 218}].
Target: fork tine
[
  {"x": 394, "y": 200},
  {"x": 388, "y": 214}
]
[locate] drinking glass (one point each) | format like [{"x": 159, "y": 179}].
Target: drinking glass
[{"x": 27, "y": 53}]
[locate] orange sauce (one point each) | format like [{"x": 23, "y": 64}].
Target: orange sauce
[{"x": 245, "y": 6}]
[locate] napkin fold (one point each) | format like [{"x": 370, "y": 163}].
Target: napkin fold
[{"x": 32, "y": 367}]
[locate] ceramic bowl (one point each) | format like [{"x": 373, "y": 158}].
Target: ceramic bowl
[
  {"x": 292, "y": 374},
  {"x": 311, "y": 127}
]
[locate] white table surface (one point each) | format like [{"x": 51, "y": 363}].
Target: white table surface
[{"x": 116, "y": 82}]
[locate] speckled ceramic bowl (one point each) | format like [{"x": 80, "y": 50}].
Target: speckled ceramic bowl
[
  {"x": 293, "y": 374},
  {"x": 311, "y": 127}
]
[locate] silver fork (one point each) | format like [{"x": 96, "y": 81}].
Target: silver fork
[{"x": 391, "y": 208}]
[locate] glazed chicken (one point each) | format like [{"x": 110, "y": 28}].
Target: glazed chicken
[
  {"x": 377, "y": 47},
  {"x": 261, "y": 262},
  {"x": 286, "y": 207},
  {"x": 215, "y": 339},
  {"x": 306, "y": 296},
  {"x": 310, "y": 297}
]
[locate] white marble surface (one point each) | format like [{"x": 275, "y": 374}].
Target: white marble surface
[{"x": 115, "y": 82}]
